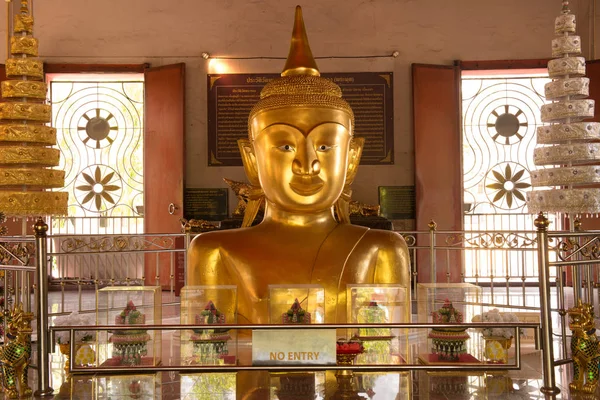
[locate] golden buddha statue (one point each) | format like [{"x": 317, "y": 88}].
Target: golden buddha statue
[{"x": 301, "y": 158}]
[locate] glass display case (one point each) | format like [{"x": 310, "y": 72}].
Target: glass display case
[
  {"x": 448, "y": 304},
  {"x": 129, "y": 306},
  {"x": 301, "y": 304},
  {"x": 139, "y": 386},
  {"x": 207, "y": 386},
  {"x": 74, "y": 387},
  {"x": 375, "y": 304},
  {"x": 211, "y": 306},
  {"x": 448, "y": 385},
  {"x": 383, "y": 385},
  {"x": 299, "y": 385}
]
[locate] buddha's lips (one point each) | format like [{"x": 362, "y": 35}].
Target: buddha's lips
[{"x": 306, "y": 185}]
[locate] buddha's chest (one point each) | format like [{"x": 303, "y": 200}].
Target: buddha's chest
[
  {"x": 258, "y": 268},
  {"x": 267, "y": 279}
]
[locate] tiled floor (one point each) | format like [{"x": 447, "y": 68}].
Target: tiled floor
[{"x": 522, "y": 384}]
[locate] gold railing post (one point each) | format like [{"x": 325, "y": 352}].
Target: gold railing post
[
  {"x": 588, "y": 270},
  {"x": 575, "y": 270},
  {"x": 43, "y": 347},
  {"x": 432, "y": 227},
  {"x": 541, "y": 223},
  {"x": 188, "y": 239}
]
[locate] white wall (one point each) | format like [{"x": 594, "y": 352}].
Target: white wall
[{"x": 423, "y": 31}]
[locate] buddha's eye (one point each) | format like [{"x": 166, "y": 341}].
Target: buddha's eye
[
  {"x": 324, "y": 147},
  {"x": 286, "y": 147}
]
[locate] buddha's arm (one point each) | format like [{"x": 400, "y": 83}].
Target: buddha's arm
[
  {"x": 393, "y": 262},
  {"x": 204, "y": 264},
  {"x": 393, "y": 266}
]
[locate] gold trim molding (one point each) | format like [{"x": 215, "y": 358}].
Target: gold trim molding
[
  {"x": 41, "y": 134},
  {"x": 24, "y": 45},
  {"x": 41, "y": 178},
  {"x": 34, "y": 203},
  {"x": 29, "y": 89},
  {"x": 17, "y": 67},
  {"x": 23, "y": 23},
  {"x": 29, "y": 155},
  {"x": 26, "y": 111}
]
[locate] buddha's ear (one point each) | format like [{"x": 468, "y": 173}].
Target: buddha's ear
[
  {"x": 249, "y": 161},
  {"x": 256, "y": 197},
  {"x": 342, "y": 205},
  {"x": 356, "y": 148}
]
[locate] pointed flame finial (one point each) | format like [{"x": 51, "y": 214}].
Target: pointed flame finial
[
  {"x": 300, "y": 60},
  {"x": 24, "y": 7}
]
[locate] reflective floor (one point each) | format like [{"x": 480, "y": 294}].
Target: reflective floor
[
  {"x": 521, "y": 384},
  {"x": 416, "y": 385}
]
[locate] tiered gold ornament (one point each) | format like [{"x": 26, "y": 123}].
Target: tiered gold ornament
[
  {"x": 569, "y": 143},
  {"x": 26, "y": 153}
]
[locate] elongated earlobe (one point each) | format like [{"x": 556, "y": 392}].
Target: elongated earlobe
[
  {"x": 356, "y": 148},
  {"x": 256, "y": 197},
  {"x": 249, "y": 161},
  {"x": 342, "y": 205}
]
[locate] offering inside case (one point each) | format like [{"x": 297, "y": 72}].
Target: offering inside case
[
  {"x": 448, "y": 304},
  {"x": 211, "y": 306},
  {"x": 129, "y": 307}
]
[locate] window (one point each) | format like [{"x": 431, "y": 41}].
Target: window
[
  {"x": 500, "y": 114},
  {"x": 99, "y": 122}
]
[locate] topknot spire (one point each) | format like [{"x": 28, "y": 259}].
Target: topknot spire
[
  {"x": 300, "y": 60},
  {"x": 24, "y": 7}
]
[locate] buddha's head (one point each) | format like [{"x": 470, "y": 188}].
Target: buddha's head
[{"x": 301, "y": 150}]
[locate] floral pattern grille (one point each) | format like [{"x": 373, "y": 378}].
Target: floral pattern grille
[
  {"x": 500, "y": 117},
  {"x": 100, "y": 135},
  {"x": 506, "y": 186}
]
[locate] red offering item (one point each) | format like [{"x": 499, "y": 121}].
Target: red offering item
[
  {"x": 228, "y": 359},
  {"x": 349, "y": 347}
]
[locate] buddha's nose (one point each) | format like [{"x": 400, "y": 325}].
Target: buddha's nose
[{"x": 306, "y": 162}]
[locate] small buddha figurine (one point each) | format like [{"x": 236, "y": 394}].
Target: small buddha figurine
[{"x": 301, "y": 158}]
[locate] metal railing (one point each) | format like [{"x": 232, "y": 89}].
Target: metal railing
[
  {"x": 97, "y": 225},
  {"x": 95, "y": 261},
  {"x": 579, "y": 251},
  {"x": 365, "y": 368},
  {"x": 433, "y": 250},
  {"x": 503, "y": 263}
]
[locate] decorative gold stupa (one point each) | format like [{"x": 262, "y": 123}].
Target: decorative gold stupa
[
  {"x": 568, "y": 144},
  {"x": 26, "y": 153}
]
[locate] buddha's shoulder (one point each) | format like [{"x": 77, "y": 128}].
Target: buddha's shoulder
[
  {"x": 220, "y": 239},
  {"x": 383, "y": 240}
]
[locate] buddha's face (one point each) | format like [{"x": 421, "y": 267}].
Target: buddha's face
[{"x": 302, "y": 156}]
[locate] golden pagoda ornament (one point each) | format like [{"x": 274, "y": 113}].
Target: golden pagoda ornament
[
  {"x": 26, "y": 153},
  {"x": 569, "y": 145}
]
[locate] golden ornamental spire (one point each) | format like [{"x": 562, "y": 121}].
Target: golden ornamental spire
[
  {"x": 26, "y": 141},
  {"x": 24, "y": 7},
  {"x": 300, "y": 60}
]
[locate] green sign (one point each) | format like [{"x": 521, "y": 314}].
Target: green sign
[
  {"x": 397, "y": 202},
  {"x": 205, "y": 203}
]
